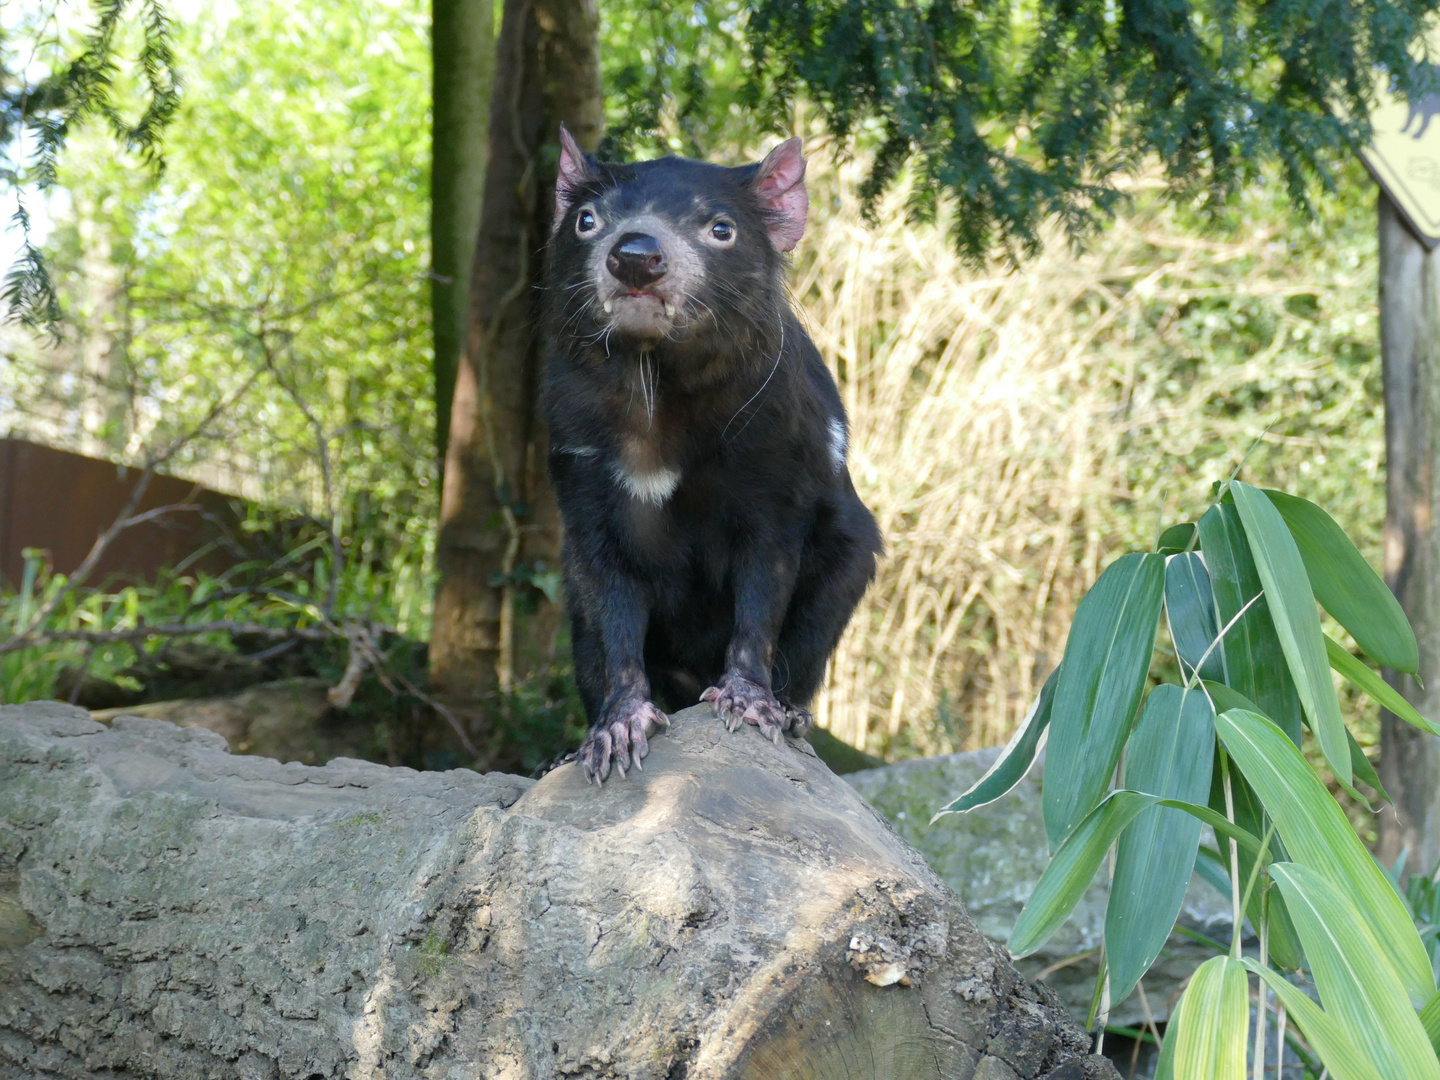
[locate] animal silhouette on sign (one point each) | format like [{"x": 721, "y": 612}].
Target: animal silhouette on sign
[{"x": 1424, "y": 107}]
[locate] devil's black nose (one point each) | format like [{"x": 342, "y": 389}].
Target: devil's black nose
[{"x": 636, "y": 260}]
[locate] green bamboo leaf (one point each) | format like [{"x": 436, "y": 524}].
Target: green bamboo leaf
[
  {"x": 1317, "y": 835},
  {"x": 1369, "y": 680},
  {"x": 1213, "y": 1020},
  {"x": 1165, "y": 1067},
  {"x": 1357, "y": 986},
  {"x": 1250, "y": 815},
  {"x": 1226, "y": 698},
  {"x": 1430, "y": 1021},
  {"x": 1347, "y": 587},
  {"x": 1254, "y": 662},
  {"x": 1363, "y": 770},
  {"x": 1107, "y": 657},
  {"x": 1014, "y": 761},
  {"x": 1190, "y": 607},
  {"x": 1337, "y": 1052},
  {"x": 1073, "y": 867},
  {"x": 1297, "y": 622},
  {"x": 1169, "y": 754},
  {"x": 1177, "y": 538}
]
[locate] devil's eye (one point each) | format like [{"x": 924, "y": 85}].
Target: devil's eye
[
  {"x": 722, "y": 232},
  {"x": 586, "y": 223}
]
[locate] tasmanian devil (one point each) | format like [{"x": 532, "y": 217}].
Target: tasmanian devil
[{"x": 714, "y": 546}]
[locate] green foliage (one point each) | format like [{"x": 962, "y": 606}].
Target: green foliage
[
  {"x": 434, "y": 955},
  {"x": 677, "y": 80},
  {"x": 1102, "y": 677},
  {"x": 1303, "y": 877},
  {"x": 1025, "y": 112},
  {"x": 283, "y": 249},
  {"x": 1175, "y": 732},
  {"x": 1214, "y": 1007},
  {"x": 54, "y": 77},
  {"x": 1020, "y": 113},
  {"x": 292, "y": 582}
]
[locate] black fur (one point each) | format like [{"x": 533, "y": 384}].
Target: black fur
[{"x": 742, "y": 579}]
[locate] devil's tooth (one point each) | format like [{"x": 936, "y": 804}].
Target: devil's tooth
[{"x": 609, "y": 306}]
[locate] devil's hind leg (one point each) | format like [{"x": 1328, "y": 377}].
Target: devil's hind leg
[{"x": 837, "y": 568}]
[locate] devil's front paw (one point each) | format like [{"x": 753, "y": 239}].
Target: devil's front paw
[
  {"x": 738, "y": 701},
  {"x": 621, "y": 736}
]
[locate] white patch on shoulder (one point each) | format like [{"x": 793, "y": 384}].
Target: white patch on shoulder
[
  {"x": 839, "y": 443},
  {"x": 580, "y": 451},
  {"x": 652, "y": 487}
]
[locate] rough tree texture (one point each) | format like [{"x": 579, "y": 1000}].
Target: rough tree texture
[
  {"x": 462, "y": 36},
  {"x": 169, "y": 910},
  {"x": 499, "y": 525},
  {"x": 1410, "y": 350}
]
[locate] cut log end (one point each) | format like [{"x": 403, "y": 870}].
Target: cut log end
[{"x": 734, "y": 911}]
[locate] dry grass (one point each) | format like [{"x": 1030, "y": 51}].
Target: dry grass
[{"x": 1014, "y": 431}]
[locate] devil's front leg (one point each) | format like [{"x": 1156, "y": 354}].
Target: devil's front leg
[
  {"x": 612, "y": 625},
  {"x": 764, "y": 579}
]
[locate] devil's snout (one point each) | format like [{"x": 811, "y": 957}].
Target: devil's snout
[{"x": 636, "y": 260}]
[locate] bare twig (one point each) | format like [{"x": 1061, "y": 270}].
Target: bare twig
[
  {"x": 1064, "y": 962},
  {"x": 140, "y": 633},
  {"x": 127, "y": 516},
  {"x": 364, "y": 653},
  {"x": 450, "y": 717},
  {"x": 327, "y": 476},
  {"x": 163, "y": 511},
  {"x": 361, "y": 654}
]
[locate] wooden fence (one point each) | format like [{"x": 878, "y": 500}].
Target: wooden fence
[{"x": 59, "y": 502}]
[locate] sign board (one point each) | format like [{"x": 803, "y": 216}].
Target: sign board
[{"x": 1404, "y": 156}]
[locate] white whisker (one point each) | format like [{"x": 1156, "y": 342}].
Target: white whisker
[{"x": 773, "y": 368}]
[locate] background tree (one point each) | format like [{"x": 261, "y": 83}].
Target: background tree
[
  {"x": 498, "y": 545},
  {"x": 1409, "y": 317},
  {"x": 462, "y": 49}
]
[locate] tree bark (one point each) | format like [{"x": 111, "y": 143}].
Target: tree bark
[
  {"x": 499, "y": 528},
  {"x": 463, "y": 51},
  {"x": 1410, "y": 347},
  {"x": 734, "y": 911}
]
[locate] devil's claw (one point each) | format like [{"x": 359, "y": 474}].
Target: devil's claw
[
  {"x": 798, "y": 721},
  {"x": 620, "y": 738},
  {"x": 738, "y": 701}
]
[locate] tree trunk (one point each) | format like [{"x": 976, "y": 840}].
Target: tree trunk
[
  {"x": 499, "y": 528},
  {"x": 104, "y": 403},
  {"x": 1410, "y": 347},
  {"x": 463, "y": 51},
  {"x": 734, "y": 911}
]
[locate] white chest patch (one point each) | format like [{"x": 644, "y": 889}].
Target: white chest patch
[
  {"x": 839, "y": 443},
  {"x": 653, "y": 487}
]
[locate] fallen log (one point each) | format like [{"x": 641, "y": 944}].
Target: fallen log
[{"x": 734, "y": 911}]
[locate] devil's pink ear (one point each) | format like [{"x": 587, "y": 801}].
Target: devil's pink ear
[
  {"x": 574, "y": 172},
  {"x": 780, "y": 183}
]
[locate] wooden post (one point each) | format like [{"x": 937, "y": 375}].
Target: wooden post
[{"x": 1410, "y": 348}]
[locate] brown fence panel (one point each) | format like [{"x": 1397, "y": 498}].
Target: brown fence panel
[{"x": 60, "y": 502}]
